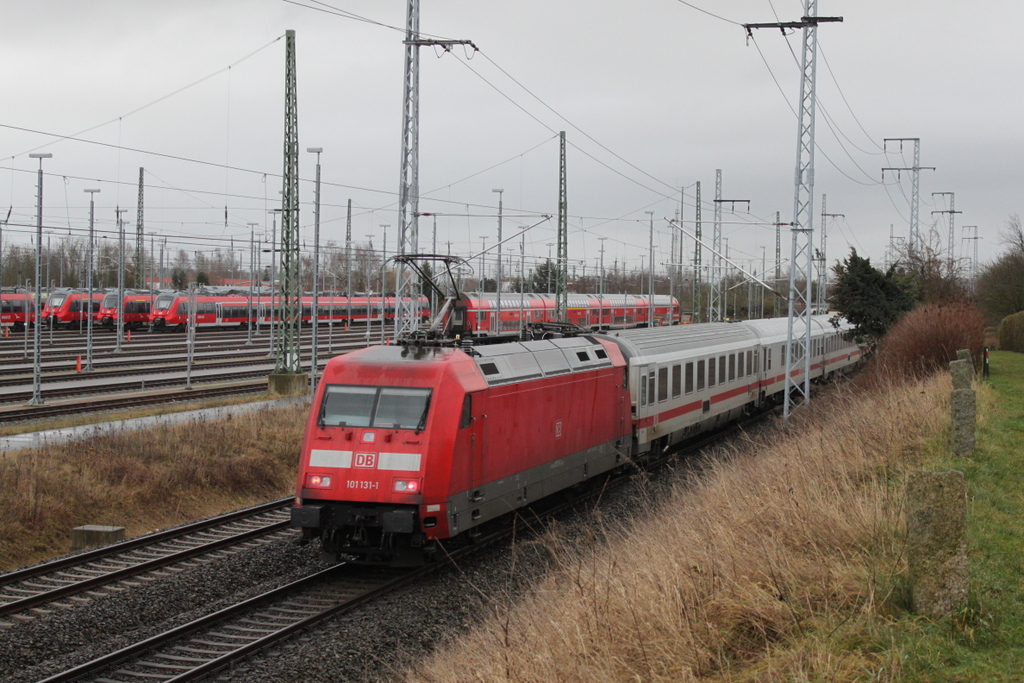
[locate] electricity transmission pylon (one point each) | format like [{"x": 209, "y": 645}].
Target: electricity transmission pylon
[{"x": 913, "y": 241}]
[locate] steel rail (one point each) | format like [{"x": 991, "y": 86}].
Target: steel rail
[{"x": 110, "y": 552}]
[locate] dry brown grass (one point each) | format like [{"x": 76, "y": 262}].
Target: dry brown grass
[
  {"x": 144, "y": 480},
  {"x": 776, "y": 565}
]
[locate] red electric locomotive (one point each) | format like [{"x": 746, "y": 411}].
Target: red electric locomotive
[
  {"x": 16, "y": 310},
  {"x": 409, "y": 445}
]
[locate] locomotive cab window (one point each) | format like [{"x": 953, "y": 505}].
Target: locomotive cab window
[{"x": 382, "y": 407}]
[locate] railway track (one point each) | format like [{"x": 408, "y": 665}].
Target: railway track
[
  {"x": 231, "y": 359},
  {"x": 33, "y": 588},
  {"x": 136, "y": 400},
  {"x": 222, "y": 639},
  {"x": 14, "y": 361},
  {"x": 153, "y": 378}
]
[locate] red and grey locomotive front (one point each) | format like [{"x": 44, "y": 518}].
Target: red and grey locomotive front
[{"x": 406, "y": 446}]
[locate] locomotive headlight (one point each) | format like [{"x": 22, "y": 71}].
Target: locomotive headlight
[
  {"x": 407, "y": 485},
  {"x": 318, "y": 481}
]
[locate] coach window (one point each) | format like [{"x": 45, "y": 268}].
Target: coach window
[
  {"x": 712, "y": 375},
  {"x": 750, "y": 368},
  {"x": 677, "y": 376},
  {"x": 739, "y": 363},
  {"x": 650, "y": 388},
  {"x": 662, "y": 384},
  {"x": 643, "y": 390},
  {"x": 768, "y": 365},
  {"x": 689, "y": 378},
  {"x": 700, "y": 375},
  {"x": 721, "y": 369},
  {"x": 732, "y": 367}
]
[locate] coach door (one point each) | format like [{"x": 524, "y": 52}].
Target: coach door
[{"x": 476, "y": 459}]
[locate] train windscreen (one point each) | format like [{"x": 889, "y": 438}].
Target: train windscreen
[
  {"x": 164, "y": 301},
  {"x": 110, "y": 300},
  {"x": 381, "y": 407},
  {"x": 56, "y": 300}
]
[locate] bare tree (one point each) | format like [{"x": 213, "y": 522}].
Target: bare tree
[{"x": 1001, "y": 283}]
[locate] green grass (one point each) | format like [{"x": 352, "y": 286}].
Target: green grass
[{"x": 986, "y": 642}]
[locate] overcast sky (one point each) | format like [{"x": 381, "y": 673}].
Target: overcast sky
[{"x": 654, "y": 96}]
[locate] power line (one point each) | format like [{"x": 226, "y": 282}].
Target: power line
[
  {"x": 73, "y": 136},
  {"x": 710, "y": 14}
]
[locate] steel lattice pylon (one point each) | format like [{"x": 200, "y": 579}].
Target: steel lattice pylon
[
  {"x": 140, "y": 260},
  {"x": 801, "y": 271},
  {"x": 915, "y": 199},
  {"x": 406, "y": 281},
  {"x": 288, "y": 341},
  {"x": 698, "y": 293},
  {"x": 715, "y": 279},
  {"x": 562, "y": 294}
]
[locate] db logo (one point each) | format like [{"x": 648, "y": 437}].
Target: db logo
[
  {"x": 558, "y": 429},
  {"x": 367, "y": 460}
]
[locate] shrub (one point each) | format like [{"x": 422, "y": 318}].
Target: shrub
[
  {"x": 927, "y": 339},
  {"x": 1011, "y": 333}
]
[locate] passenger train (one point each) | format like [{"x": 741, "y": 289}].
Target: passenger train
[
  {"x": 69, "y": 308},
  {"x": 17, "y": 310},
  {"x": 412, "y": 444},
  {"x": 171, "y": 310},
  {"x": 479, "y": 315},
  {"x": 136, "y": 305}
]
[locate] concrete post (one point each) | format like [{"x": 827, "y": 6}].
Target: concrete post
[
  {"x": 964, "y": 416},
  {"x": 937, "y": 541},
  {"x": 962, "y": 372},
  {"x": 965, "y": 354},
  {"x": 94, "y": 536}
]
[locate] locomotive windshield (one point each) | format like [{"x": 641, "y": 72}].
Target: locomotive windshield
[
  {"x": 56, "y": 300},
  {"x": 382, "y": 407},
  {"x": 110, "y": 300}
]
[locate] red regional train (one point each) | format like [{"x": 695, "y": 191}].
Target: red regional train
[
  {"x": 477, "y": 314},
  {"x": 69, "y": 308},
  {"x": 16, "y": 310},
  {"x": 170, "y": 310},
  {"x": 137, "y": 305},
  {"x": 407, "y": 445}
]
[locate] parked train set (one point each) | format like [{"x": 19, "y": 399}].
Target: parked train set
[
  {"x": 478, "y": 315},
  {"x": 410, "y": 445}
]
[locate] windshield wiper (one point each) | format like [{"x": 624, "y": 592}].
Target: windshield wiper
[{"x": 422, "y": 424}]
